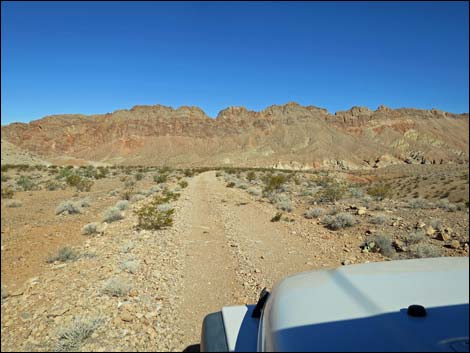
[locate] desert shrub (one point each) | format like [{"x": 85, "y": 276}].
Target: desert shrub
[
  {"x": 14, "y": 203},
  {"x": 188, "y": 173},
  {"x": 356, "y": 193},
  {"x": 164, "y": 207},
  {"x": 116, "y": 287},
  {"x": 63, "y": 255},
  {"x": 230, "y": 184},
  {"x": 168, "y": 196},
  {"x": 331, "y": 193},
  {"x": 139, "y": 176},
  {"x": 78, "y": 182},
  {"x": 136, "y": 197},
  {"x": 113, "y": 193},
  {"x": 307, "y": 192},
  {"x": 122, "y": 205},
  {"x": 251, "y": 175},
  {"x": 112, "y": 214},
  {"x": 446, "y": 205},
  {"x": 73, "y": 179},
  {"x": 427, "y": 250},
  {"x": 324, "y": 181},
  {"x": 281, "y": 201},
  {"x": 101, "y": 173},
  {"x": 73, "y": 336},
  {"x": 341, "y": 220},
  {"x": 379, "y": 219},
  {"x": 379, "y": 191},
  {"x": 85, "y": 202},
  {"x": 51, "y": 186},
  {"x": 25, "y": 183},
  {"x": 160, "y": 178},
  {"x": 277, "y": 217},
  {"x": 67, "y": 207},
  {"x": 151, "y": 217},
  {"x": 131, "y": 266},
  {"x": 380, "y": 243},
  {"x": 273, "y": 183},
  {"x": 313, "y": 213},
  {"x": 255, "y": 191},
  {"x": 5, "y": 178},
  {"x": 183, "y": 184},
  {"x": 153, "y": 190},
  {"x": 89, "y": 172},
  {"x": 418, "y": 203},
  {"x": 7, "y": 192},
  {"x": 414, "y": 237},
  {"x": 90, "y": 228},
  {"x": 64, "y": 172}
]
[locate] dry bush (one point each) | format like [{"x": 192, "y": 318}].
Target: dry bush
[{"x": 341, "y": 220}]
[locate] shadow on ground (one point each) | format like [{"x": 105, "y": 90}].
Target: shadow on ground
[{"x": 193, "y": 348}]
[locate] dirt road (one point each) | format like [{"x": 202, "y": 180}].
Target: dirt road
[
  {"x": 221, "y": 250},
  {"x": 232, "y": 250}
]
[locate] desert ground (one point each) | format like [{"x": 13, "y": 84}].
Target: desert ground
[{"x": 133, "y": 258}]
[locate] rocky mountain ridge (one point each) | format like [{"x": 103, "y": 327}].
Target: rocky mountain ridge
[{"x": 287, "y": 136}]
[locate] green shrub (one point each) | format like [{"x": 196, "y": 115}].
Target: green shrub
[
  {"x": 251, "y": 176},
  {"x": 331, "y": 193},
  {"x": 153, "y": 217},
  {"x": 101, "y": 173},
  {"x": 183, "y": 184},
  {"x": 188, "y": 173},
  {"x": 139, "y": 176},
  {"x": 380, "y": 191},
  {"x": 25, "y": 183},
  {"x": 78, "y": 182},
  {"x": 273, "y": 183},
  {"x": 160, "y": 178}
]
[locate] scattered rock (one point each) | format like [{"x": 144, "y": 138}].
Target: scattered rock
[
  {"x": 455, "y": 244},
  {"x": 361, "y": 210},
  {"x": 420, "y": 225},
  {"x": 443, "y": 235},
  {"x": 430, "y": 231},
  {"x": 125, "y": 316},
  {"x": 399, "y": 246}
]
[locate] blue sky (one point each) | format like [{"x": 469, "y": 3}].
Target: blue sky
[{"x": 97, "y": 57}]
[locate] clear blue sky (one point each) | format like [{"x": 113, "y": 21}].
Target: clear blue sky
[{"x": 96, "y": 57}]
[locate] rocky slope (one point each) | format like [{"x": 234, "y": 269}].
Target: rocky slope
[{"x": 284, "y": 136}]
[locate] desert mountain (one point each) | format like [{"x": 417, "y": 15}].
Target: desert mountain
[{"x": 284, "y": 136}]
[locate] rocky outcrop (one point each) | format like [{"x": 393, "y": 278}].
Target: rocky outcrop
[{"x": 287, "y": 135}]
